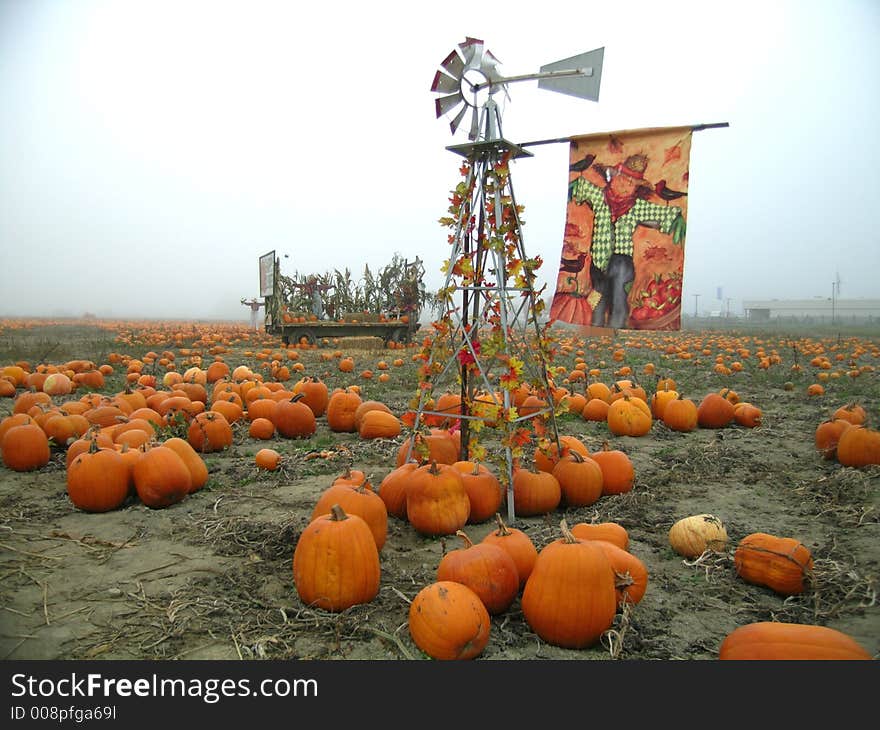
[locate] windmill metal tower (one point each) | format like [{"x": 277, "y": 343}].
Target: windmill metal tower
[{"x": 489, "y": 343}]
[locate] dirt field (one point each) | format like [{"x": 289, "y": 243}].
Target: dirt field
[{"x": 211, "y": 577}]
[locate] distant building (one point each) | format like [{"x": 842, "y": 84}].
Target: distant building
[{"x": 819, "y": 308}]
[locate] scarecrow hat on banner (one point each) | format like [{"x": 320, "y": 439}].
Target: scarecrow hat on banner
[{"x": 633, "y": 167}]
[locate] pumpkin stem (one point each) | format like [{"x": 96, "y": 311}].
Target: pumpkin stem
[
  {"x": 623, "y": 580},
  {"x": 567, "y": 535},
  {"x": 503, "y": 530},
  {"x": 465, "y": 538},
  {"x": 337, "y": 514}
]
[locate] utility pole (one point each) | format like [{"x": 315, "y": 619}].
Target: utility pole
[
  {"x": 696, "y": 298},
  {"x": 833, "y": 297}
]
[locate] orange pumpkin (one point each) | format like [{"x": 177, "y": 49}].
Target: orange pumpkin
[
  {"x": 483, "y": 489},
  {"x": 629, "y": 416},
  {"x": 714, "y": 411},
  {"x": 518, "y": 545},
  {"x": 198, "y": 470},
  {"x": 161, "y": 478},
  {"x": 436, "y": 500},
  {"x": 336, "y": 562},
  {"x": 569, "y": 599},
  {"x": 608, "y": 531},
  {"x": 98, "y": 480},
  {"x": 618, "y": 473},
  {"x": 777, "y": 640},
  {"x": 535, "y": 492},
  {"x": 486, "y": 569},
  {"x": 780, "y": 563},
  {"x": 448, "y": 621},
  {"x": 858, "y": 446},
  {"x": 356, "y": 499},
  {"x": 25, "y": 448},
  {"x": 580, "y": 479}
]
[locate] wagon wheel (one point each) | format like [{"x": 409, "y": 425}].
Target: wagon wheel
[
  {"x": 298, "y": 334},
  {"x": 398, "y": 334}
]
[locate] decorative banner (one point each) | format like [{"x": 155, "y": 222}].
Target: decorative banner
[{"x": 623, "y": 248}]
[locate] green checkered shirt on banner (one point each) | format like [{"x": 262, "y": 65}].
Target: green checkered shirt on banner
[{"x": 617, "y": 237}]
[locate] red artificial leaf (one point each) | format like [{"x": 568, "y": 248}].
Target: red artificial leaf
[{"x": 672, "y": 153}]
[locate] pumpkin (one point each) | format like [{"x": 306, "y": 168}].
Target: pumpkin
[
  {"x": 98, "y": 480},
  {"x": 294, "y": 419},
  {"x": 436, "y": 500},
  {"x": 604, "y": 531},
  {"x": 378, "y": 424},
  {"x": 14, "y": 419},
  {"x": 518, "y": 545},
  {"x": 630, "y": 573},
  {"x": 448, "y": 621},
  {"x": 547, "y": 459},
  {"x": 437, "y": 446},
  {"x": 858, "y": 446},
  {"x": 267, "y": 459},
  {"x": 25, "y": 447},
  {"x": 852, "y": 412},
  {"x": 483, "y": 490},
  {"x": 535, "y": 492},
  {"x": 618, "y": 473},
  {"x": 828, "y": 435},
  {"x": 692, "y": 536},
  {"x": 780, "y": 563},
  {"x": 262, "y": 408},
  {"x": 228, "y": 408},
  {"x": 629, "y": 416},
  {"x": 198, "y": 470},
  {"x": 356, "y": 499},
  {"x": 209, "y": 431},
  {"x": 747, "y": 415},
  {"x": 580, "y": 479},
  {"x": 315, "y": 393},
  {"x": 62, "y": 429},
  {"x": 57, "y": 384},
  {"x": 392, "y": 489},
  {"x": 84, "y": 442},
  {"x": 777, "y": 640},
  {"x": 596, "y": 409},
  {"x": 484, "y": 568},
  {"x": 161, "y": 478},
  {"x": 341, "y": 408},
  {"x": 714, "y": 411},
  {"x": 660, "y": 400},
  {"x": 262, "y": 429},
  {"x": 681, "y": 414},
  {"x": 569, "y": 599},
  {"x": 336, "y": 562},
  {"x": 365, "y": 407}
]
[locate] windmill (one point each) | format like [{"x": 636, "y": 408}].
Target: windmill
[{"x": 491, "y": 322}]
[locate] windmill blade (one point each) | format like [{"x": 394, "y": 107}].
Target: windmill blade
[
  {"x": 445, "y": 84},
  {"x": 453, "y": 125},
  {"x": 472, "y": 50},
  {"x": 453, "y": 65},
  {"x": 446, "y": 104}
]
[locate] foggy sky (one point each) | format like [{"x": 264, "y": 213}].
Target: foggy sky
[{"x": 150, "y": 152}]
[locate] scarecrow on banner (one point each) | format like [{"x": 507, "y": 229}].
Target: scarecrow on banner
[
  {"x": 619, "y": 198},
  {"x": 622, "y": 256}
]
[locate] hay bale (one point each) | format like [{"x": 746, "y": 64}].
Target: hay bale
[{"x": 361, "y": 343}]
